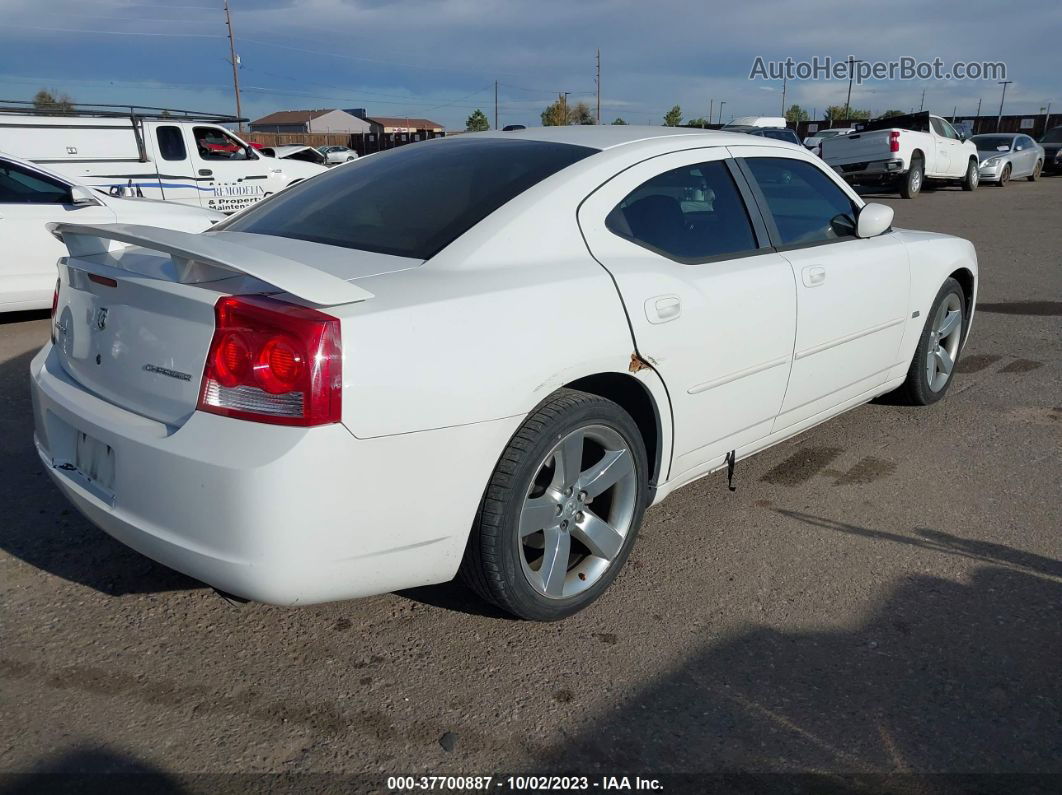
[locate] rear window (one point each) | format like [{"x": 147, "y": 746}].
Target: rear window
[{"x": 410, "y": 201}]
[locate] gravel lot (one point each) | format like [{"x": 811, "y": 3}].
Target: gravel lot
[{"x": 880, "y": 595}]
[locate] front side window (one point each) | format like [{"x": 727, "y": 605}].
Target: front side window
[
  {"x": 949, "y": 131},
  {"x": 937, "y": 126},
  {"x": 410, "y": 201},
  {"x": 19, "y": 186},
  {"x": 171, "y": 143},
  {"x": 215, "y": 144},
  {"x": 806, "y": 205},
  {"x": 689, "y": 213}
]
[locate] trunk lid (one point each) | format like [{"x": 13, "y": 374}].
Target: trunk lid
[{"x": 134, "y": 324}]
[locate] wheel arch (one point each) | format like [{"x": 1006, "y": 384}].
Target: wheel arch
[
  {"x": 965, "y": 278},
  {"x": 634, "y": 397},
  {"x": 917, "y": 154}
]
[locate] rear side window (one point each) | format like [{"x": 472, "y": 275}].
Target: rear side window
[
  {"x": 18, "y": 186},
  {"x": 806, "y": 205},
  {"x": 171, "y": 143},
  {"x": 693, "y": 213},
  {"x": 410, "y": 201}
]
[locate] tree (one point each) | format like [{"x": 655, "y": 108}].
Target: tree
[
  {"x": 48, "y": 101},
  {"x": 477, "y": 122},
  {"x": 890, "y": 113},
  {"x": 796, "y": 114},
  {"x": 673, "y": 118},
  {"x": 836, "y": 113},
  {"x": 554, "y": 114},
  {"x": 702, "y": 122},
  {"x": 619, "y": 121}
]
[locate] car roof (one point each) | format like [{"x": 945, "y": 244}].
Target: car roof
[{"x": 609, "y": 136}]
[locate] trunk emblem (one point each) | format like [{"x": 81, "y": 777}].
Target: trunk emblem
[
  {"x": 101, "y": 318},
  {"x": 154, "y": 368}
]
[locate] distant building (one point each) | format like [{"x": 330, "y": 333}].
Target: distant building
[
  {"x": 403, "y": 124},
  {"x": 321, "y": 120}
]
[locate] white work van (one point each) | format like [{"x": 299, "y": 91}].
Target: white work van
[{"x": 171, "y": 155}]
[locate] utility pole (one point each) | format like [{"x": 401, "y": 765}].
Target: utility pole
[
  {"x": 235, "y": 60},
  {"x": 848, "y": 101},
  {"x": 999, "y": 118},
  {"x": 1047, "y": 119},
  {"x": 564, "y": 108},
  {"x": 597, "y": 80},
  {"x": 954, "y": 110},
  {"x": 922, "y": 106},
  {"x": 785, "y": 78},
  {"x": 496, "y": 105},
  {"x": 721, "y": 103},
  {"x": 711, "y": 109}
]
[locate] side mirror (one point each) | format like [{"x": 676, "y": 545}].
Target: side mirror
[
  {"x": 82, "y": 197},
  {"x": 873, "y": 220}
]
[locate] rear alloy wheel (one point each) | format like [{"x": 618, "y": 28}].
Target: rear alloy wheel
[
  {"x": 929, "y": 375},
  {"x": 1004, "y": 178},
  {"x": 912, "y": 181},
  {"x": 1035, "y": 175},
  {"x": 969, "y": 182},
  {"x": 562, "y": 509}
]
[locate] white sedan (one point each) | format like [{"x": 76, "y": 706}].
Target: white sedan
[
  {"x": 31, "y": 197},
  {"x": 338, "y": 154},
  {"x": 339, "y": 393}
]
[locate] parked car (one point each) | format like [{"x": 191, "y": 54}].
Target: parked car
[
  {"x": 31, "y": 197},
  {"x": 651, "y": 305},
  {"x": 186, "y": 159},
  {"x": 1052, "y": 146},
  {"x": 756, "y": 121},
  {"x": 777, "y": 133},
  {"x": 511, "y": 127},
  {"x": 904, "y": 151},
  {"x": 1008, "y": 155},
  {"x": 337, "y": 154},
  {"x": 307, "y": 154},
  {"x": 814, "y": 142}
]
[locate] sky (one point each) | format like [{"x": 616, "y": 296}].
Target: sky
[{"x": 440, "y": 58}]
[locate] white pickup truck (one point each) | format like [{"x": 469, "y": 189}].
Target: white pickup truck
[
  {"x": 904, "y": 151},
  {"x": 178, "y": 156}
]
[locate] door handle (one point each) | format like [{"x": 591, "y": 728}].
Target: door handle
[
  {"x": 205, "y": 172},
  {"x": 662, "y": 308},
  {"x": 813, "y": 275}
]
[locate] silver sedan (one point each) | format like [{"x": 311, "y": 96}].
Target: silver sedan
[{"x": 1006, "y": 156}]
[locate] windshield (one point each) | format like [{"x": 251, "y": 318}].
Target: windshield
[
  {"x": 1053, "y": 136},
  {"x": 410, "y": 201},
  {"x": 993, "y": 143}
]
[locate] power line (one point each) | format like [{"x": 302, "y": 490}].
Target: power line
[{"x": 119, "y": 32}]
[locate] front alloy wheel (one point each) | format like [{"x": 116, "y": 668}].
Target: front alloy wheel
[
  {"x": 933, "y": 365},
  {"x": 561, "y": 510}
]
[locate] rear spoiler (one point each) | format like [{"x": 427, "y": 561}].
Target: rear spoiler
[{"x": 294, "y": 277}]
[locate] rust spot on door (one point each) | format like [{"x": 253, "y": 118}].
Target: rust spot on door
[{"x": 637, "y": 363}]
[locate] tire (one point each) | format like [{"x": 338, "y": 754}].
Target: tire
[
  {"x": 1033, "y": 177},
  {"x": 1004, "y": 178},
  {"x": 912, "y": 182},
  {"x": 970, "y": 181},
  {"x": 918, "y": 389},
  {"x": 530, "y": 486}
]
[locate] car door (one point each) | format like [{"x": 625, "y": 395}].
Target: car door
[
  {"x": 942, "y": 151},
  {"x": 235, "y": 175},
  {"x": 852, "y": 293},
  {"x": 1025, "y": 156},
  {"x": 711, "y": 306},
  {"x": 30, "y": 199},
  {"x": 178, "y": 181}
]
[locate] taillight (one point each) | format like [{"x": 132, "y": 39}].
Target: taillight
[
  {"x": 274, "y": 362},
  {"x": 55, "y": 307},
  {"x": 894, "y": 141}
]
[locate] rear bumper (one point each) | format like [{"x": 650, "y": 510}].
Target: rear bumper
[
  {"x": 872, "y": 171},
  {"x": 269, "y": 513}
]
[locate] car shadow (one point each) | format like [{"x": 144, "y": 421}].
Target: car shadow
[
  {"x": 90, "y": 770},
  {"x": 456, "y": 597},
  {"x": 42, "y": 529},
  {"x": 942, "y": 676},
  {"x": 24, "y": 316}
]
